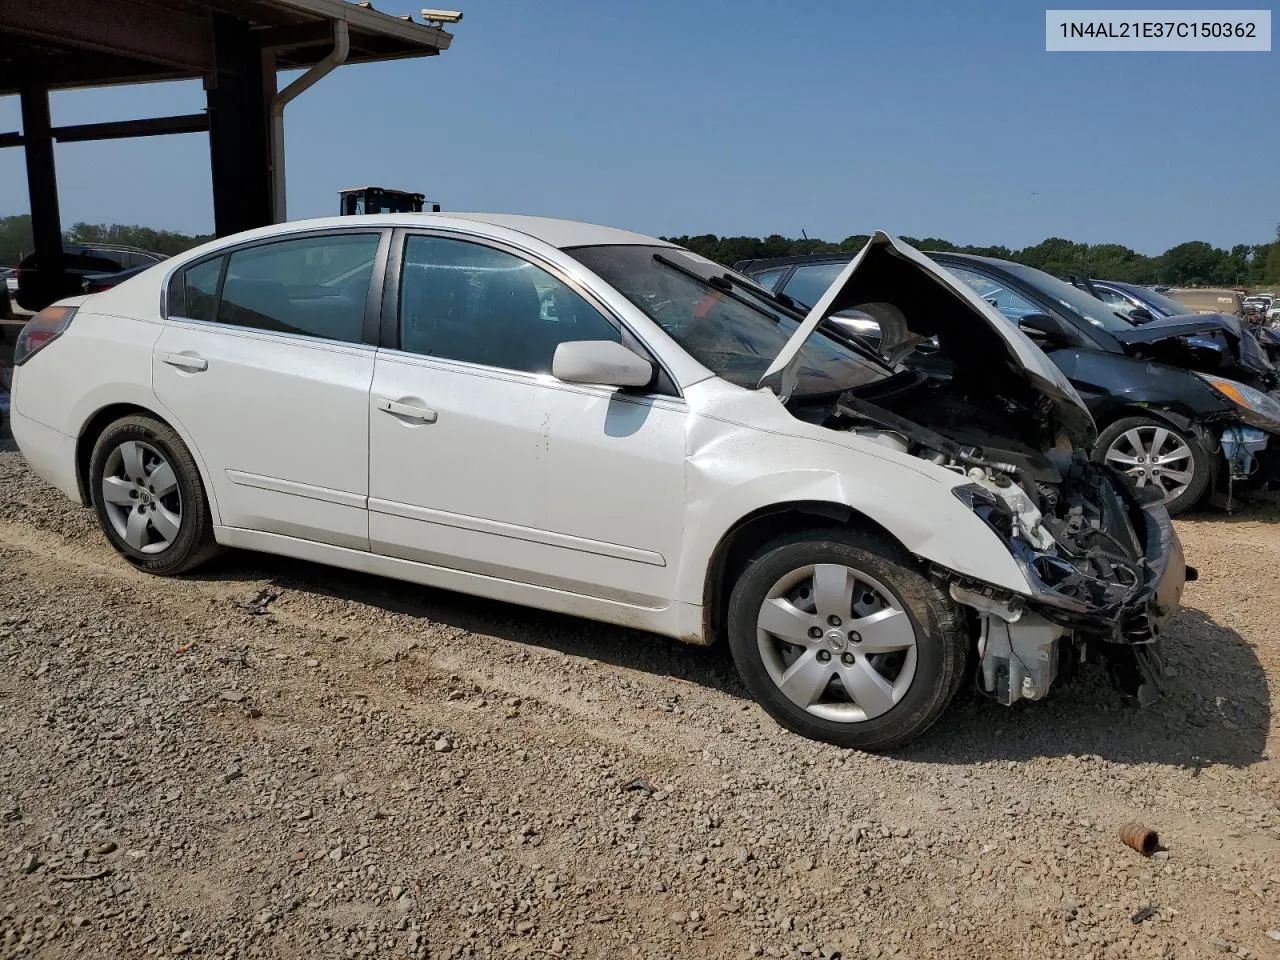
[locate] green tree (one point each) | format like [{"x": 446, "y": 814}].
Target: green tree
[
  {"x": 15, "y": 238},
  {"x": 1271, "y": 273},
  {"x": 1195, "y": 264},
  {"x": 160, "y": 241},
  {"x": 1238, "y": 263}
]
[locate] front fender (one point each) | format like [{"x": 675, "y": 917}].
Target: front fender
[{"x": 735, "y": 474}]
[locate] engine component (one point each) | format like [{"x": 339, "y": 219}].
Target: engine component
[
  {"x": 1018, "y": 661},
  {"x": 1239, "y": 444}
]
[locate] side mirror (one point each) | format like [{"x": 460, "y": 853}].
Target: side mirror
[
  {"x": 600, "y": 362},
  {"x": 1140, "y": 315},
  {"x": 1040, "y": 328}
]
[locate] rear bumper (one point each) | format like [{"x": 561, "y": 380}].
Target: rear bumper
[{"x": 51, "y": 455}]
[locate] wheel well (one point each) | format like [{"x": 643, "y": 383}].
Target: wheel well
[
  {"x": 89, "y": 437},
  {"x": 748, "y": 534},
  {"x": 1151, "y": 413}
]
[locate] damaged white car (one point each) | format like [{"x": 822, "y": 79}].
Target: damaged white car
[{"x": 592, "y": 421}]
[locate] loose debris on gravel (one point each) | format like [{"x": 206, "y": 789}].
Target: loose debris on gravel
[{"x": 359, "y": 768}]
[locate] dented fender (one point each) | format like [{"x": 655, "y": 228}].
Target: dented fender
[{"x": 735, "y": 470}]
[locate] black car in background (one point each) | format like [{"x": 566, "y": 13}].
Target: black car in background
[
  {"x": 1142, "y": 304},
  {"x": 79, "y": 260},
  {"x": 1182, "y": 404}
]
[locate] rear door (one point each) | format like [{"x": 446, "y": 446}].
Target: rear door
[{"x": 266, "y": 360}]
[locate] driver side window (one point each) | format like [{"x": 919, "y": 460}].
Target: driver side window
[{"x": 465, "y": 301}]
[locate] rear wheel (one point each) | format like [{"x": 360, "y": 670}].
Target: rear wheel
[
  {"x": 1151, "y": 452},
  {"x": 840, "y": 640},
  {"x": 149, "y": 498}
]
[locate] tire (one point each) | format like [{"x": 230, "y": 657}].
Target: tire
[
  {"x": 161, "y": 525},
  {"x": 1116, "y": 447},
  {"x": 906, "y": 690}
]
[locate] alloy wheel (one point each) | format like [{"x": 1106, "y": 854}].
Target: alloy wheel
[
  {"x": 837, "y": 643},
  {"x": 1154, "y": 455},
  {"x": 141, "y": 495}
]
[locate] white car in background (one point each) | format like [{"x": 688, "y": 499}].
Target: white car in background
[{"x": 596, "y": 422}]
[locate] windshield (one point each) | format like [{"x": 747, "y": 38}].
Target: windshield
[
  {"x": 735, "y": 340},
  {"x": 1079, "y": 302}
]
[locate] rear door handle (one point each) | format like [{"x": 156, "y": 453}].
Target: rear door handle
[
  {"x": 186, "y": 362},
  {"x": 407, "y": 410}
]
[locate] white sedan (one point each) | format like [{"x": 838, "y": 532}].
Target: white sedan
[{"x": 591, "y": 421}]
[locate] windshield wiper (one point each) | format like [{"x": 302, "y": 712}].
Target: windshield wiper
[
  {"x": 794, "y": 305},
  {"x": 719, "y": 284}
]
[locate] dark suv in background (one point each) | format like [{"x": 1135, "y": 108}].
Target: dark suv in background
[{"x": 79, "y": 261}]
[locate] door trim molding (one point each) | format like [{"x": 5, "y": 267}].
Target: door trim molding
[
  {"x": 515, "y": 532},
  {"x": 294, "y": 488}
]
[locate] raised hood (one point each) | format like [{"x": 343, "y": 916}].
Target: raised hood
[
  {"x": 914, "y": 299},
  {"x": 1246, "y": 352},
  {"x": 1165, "y": 327}
]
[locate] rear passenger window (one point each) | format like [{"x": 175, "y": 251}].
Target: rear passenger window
[
  {"x": 314, "y": 286},
  {"x": 200, "y": 289}
]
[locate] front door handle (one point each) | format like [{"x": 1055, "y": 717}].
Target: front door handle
[
  {"x": 408, "y": 411},
  {"x": 186, "y": 362}
]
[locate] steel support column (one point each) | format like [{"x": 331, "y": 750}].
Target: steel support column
[
  {"x": 239, "y": 155},
  {"x": 42, "y": 187}
]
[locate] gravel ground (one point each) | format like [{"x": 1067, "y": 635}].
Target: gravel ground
[{"x": 274, "y": 759}]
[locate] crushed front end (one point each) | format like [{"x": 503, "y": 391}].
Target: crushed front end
[
  {"x": 1102, "y": 559},
  {"x": 1106, "y": 572}
]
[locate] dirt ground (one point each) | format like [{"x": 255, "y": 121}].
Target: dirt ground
[{"x": 274, "y": 759}]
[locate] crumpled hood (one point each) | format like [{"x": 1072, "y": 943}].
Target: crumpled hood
[
  {"x": 1181, "y": 326},
  {"x": 928, "y": 301},
  {"x": 1242, "y": 342}
]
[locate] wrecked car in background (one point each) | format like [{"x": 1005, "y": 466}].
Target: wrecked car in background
[
  {"x": 1183, "y": 404},
  {"x": 671, "y": 448}
]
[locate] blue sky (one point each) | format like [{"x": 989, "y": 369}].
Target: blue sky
[{"x": 835, "y": 117}]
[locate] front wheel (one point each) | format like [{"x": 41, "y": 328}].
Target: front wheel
[
  {"x": 840, "y": 640},
  {"x": 1151, "y": 452}
]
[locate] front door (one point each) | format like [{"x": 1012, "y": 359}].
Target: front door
[
  {"x": 263, "y": 362},
  {"x": 481, "y": 461}
]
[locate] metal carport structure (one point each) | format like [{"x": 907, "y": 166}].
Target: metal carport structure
[{"x": 235, "y": 46}]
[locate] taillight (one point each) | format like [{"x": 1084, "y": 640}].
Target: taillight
[{"x": 40, "y": 331}]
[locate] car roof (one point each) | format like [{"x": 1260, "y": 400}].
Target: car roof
[
  {"x": 1122, "y": 285},
  {"x": 556, "y": 233},
  {"x": 974, "y": 258},
  {"x": 766, "y": 263},
  {"x": 108, "y": 247}
]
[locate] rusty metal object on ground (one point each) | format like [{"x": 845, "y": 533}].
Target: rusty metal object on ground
[{"x": 1143, "y": 839}]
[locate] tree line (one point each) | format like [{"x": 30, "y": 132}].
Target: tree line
[
  {"x": 15, "y": 237},
  {"x": 1188, "y": 264},
  {"x": 1193, "y": 264}
]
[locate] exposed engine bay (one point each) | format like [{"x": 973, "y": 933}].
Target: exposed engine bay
[
  {"x": 968, "y": 391},
  {"x": 1078, "y": 530}
]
